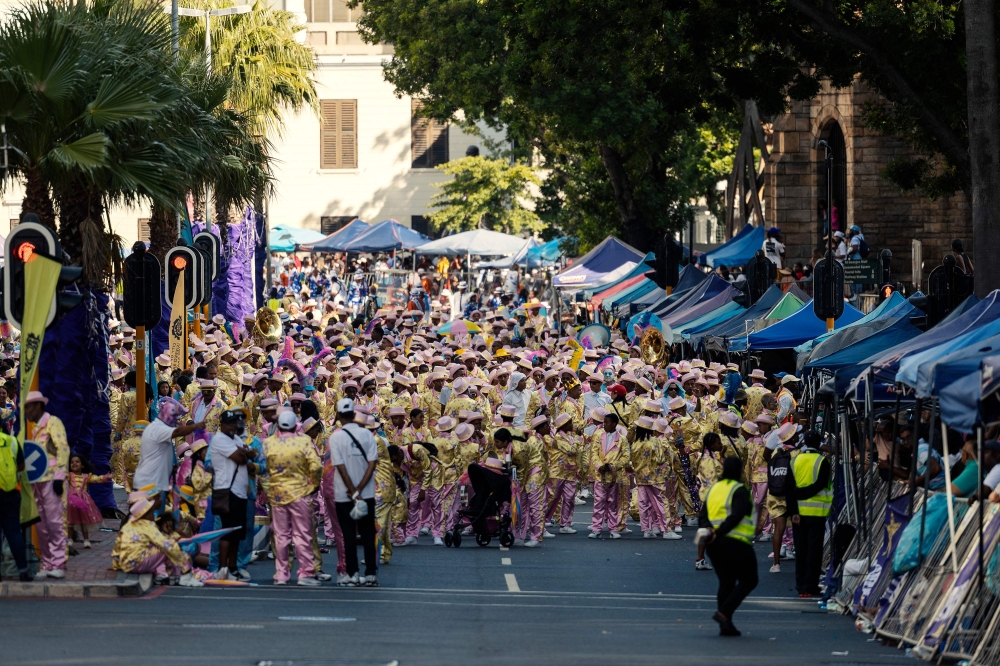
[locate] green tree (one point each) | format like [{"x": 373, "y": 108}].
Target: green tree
[
  {"x": 485, "y": 194},
  {"x": 626, "y": 85}
]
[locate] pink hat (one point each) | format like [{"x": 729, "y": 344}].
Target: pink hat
[
  {"x": 508, "y": 410},
  {"x": 445, "y": 423},
  {"x": 538, "y": 421},
  {"x": 36, "y": 396},
  {"x": 757, "y": 373},
  {"x": 729, "y": 418},
  {"x": 677, "y": 403},
  {"x": 662, "y": 426},
  {"x": 397, "y": 411},
  {"x": 298, "y": 396},
  {"x": 463, "y": 431},
  {"x": 749, "y": 427},
  {"x": 562, "y": 420},
  {"x": 765, "y": 419},
  {"x": 788, "y": 430},
  {"x": 645, "y": 422},
  {"x": 598, "y": 413},
  {"x": 460, "y": 385}
]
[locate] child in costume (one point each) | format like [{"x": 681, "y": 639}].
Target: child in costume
[{"x": 81, "y": 512}]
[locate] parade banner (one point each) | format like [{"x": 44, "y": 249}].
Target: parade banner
[
  {"x": 967, "y": 575},
  {"x": 41, "y": 275},
  {"x": 178, "y": 324},
  {"x": 896, "y": 518}
]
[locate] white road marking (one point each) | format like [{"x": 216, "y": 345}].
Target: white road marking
[
  {"x": 504, "y": 548},
  {"x": 505, "y": 561},
  {"x": 512, "y": 585},
  {"x": 223, "y": 626},
  {"x": 316, "y": 618}
]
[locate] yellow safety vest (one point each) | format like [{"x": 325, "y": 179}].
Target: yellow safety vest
[
  {"x": 8, "y": 462},
  {"x": 805, "y": 467},
  {"x": 720, "y": 504}
]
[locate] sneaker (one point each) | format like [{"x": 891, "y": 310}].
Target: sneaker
[
  {"x": 371, "y": 581},
  {"x": 242, "y": 575},
  {"x": 86, "y": 543},
  {"x": 24, "y": 577},
  {"x": 702, "y": 565},
  {"x": 625, "y": 530},
  {"x": 438, "y": 541},
  {"x": 425, "y": 531},
  {"x": 648, "y": 534},
  {"x": 548, "y": 535},
  {"x": 323, "y": 577},
  {"x": 281, "y": 582},
  {"x": 578, "y": 501},
  {"x": 567, "y": 530},
  {"x": 306, "y": 581},
  {"x": 410, "y": 541},
  {"x": 532, "y": 544},
  {"x": 592, "y": 535},
  {"x": 57, "y": 573},
  {"x": 692, "y": 521},
  {"x": 655, "y": 531},
  {"x": 775, "y": 568},
  {"x": 41, "y": 574},
  {"x": 343, "y": 579},
  {"x": 672, "y": 536},
  {"x": 787, "y": 553},
  {"x": 354, "y": 581},
  {"x": 188, "y": 580},
  {"x": 616, "y": 535},
  {"x": 764, "y": 538},
  {"x": 221, "y": 574},
  {"x": 678, "y": 530},
  {"x": 160, "y": 579},
  {"x": 518, "y": 542}
]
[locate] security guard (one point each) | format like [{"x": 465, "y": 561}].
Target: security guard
[
  {"x": 728, "y": 515},
  {"x": 809, "y": 507}
]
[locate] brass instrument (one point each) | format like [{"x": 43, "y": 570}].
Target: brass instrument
[
  {"x": 653, "y": 348},
  {"x": 267, "y": 328}
]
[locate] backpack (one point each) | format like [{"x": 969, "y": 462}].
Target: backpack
[
  {"x": 779, "y": 473},
  {"x": 863, "y": 249}
]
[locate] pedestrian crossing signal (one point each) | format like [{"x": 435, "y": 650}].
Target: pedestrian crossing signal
[{"x": 886, "y": 291}]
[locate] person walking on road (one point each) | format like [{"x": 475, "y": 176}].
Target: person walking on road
[
  {"x": 728, "y": 517},
  {"x": 809, "y": 506},
  {"x": 354, "y": 454}
]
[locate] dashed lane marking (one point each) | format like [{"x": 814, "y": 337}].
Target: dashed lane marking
[{"x": 512, "y": 585}]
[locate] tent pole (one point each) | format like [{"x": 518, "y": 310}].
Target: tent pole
[{"x": 950, "y": 495}]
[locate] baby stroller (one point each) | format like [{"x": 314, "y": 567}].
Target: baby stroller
[{"x": 488, "y": 512}]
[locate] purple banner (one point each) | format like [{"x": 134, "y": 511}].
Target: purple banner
[
  {"x": 945, "y": 615},
  {"x": 896, "y": 519}
]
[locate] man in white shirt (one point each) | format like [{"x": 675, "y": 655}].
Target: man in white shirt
[
  {"x": 354, "y": 453},
  {"x": 229, "y": 457},
  {"x": 774, "y": 249},
  {"x": 156, "y": 450},
  {"x": 840, "y": 247}
]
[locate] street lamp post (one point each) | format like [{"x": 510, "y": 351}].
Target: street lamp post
[{"x": 207, "y": 14}]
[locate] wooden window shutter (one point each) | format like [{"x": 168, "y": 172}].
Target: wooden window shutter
[
  {"x": 419, "y": 139},
  {"x": 143, "y": 229},
  {"x": 339, "y": 134},
  {"x": 428, "y": 138},
  {"x": 349, "y": 134}
]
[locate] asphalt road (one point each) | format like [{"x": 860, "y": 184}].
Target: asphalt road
[{"x": 573, "y": 601}]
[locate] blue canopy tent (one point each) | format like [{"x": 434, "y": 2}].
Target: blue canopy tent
[
  {"x": 602, "y": 265},
  {"x": 637, "y": 270},
  {"x": 549, "y": 251},
  {"x": 689, "y": 278},
  {"x": 921, "y": 365},
  {"x": 288, "y": 239},
  {"x": 886, "y": 364},
  {"x": 519, "y": 258},
  {"x": 714, "y": 337},
  {"x": 385, "y": 236},
  {"x": 738, "y": 250},
  {"x": 797, "y": 328},
  {"x": 959, "y": 403},
  {"x": 626, "y": 296},
  {"x": 707, "y": 320},
  {"x": 934, "y": 376},
  {"x": 850, "y": 361},
  {"x": 708, "y": 302},
  {"x": 708, "y": 288},
  {"x": 879, "y": 313},
  {"x": 336, "y": 241}
]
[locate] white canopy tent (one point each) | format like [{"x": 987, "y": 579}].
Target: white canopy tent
[{"x": 477, "y": 242}]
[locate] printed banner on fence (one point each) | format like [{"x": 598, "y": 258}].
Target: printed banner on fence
[
  {"x": 967, "y": 574},
  {"x": 896, "y": 519}
]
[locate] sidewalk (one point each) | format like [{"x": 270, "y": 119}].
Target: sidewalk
[{"x": 88, "y": 573}]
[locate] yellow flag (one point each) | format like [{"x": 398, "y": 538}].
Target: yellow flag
[
  {"x": 178, "y": 328},
  {"x": 40, "y": 277},
  {"x": 576, "y": 360}
]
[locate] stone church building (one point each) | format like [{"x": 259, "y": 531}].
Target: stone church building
[{"x": 795, "y": 186}]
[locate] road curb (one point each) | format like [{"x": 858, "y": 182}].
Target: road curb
[{"x": 126, "y": 585}]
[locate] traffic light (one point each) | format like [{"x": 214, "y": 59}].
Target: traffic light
[
  {"x": 760, "y": 275},
  {"x": 885, "y": 291},
  {"x": 210, "y": 245},
  {"x": 828, "y": 288},
  {"x": 141, "y": 304},
  {"x": 30, "y": 238},
  {"x": 188, "y": 261},
  {"x": 669, "y": 254}
]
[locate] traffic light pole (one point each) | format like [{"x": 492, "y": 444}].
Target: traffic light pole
[
  {"x": 140, "y": 373},
  {"x": 829, "y": 215}
]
